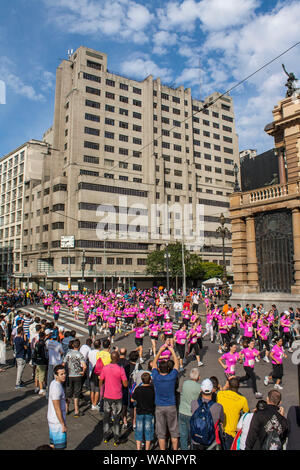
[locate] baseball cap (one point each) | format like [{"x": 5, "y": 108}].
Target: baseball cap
[
  {"x": 286, "y": 312},
  {"x": 61, "y": 328},
  {"x": 47, "y": 332},
  {"x": 206, "y": 386}
]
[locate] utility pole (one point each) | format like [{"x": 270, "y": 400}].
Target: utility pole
[
  {"x": 224, "y": 232},
  {"x": 183, "y": 271},
  {"x": 167, "y": 256},
  {"x": 83, "y": 267}
]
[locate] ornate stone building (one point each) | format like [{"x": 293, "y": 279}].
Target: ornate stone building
[{"x": 266, "y": 223}]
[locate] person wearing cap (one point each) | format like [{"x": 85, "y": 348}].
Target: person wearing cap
[{"x": 217, "y": 412}]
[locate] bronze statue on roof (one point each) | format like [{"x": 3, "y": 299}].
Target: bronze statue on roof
[{"x": 290, "y": 84}]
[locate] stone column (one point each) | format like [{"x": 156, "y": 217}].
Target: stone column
[
  {"x": 239, "y": 254},
  {"x": 281, "y": 166},
  {"x": 295, "y": 289},
  {"x": 252, "y": 271}
]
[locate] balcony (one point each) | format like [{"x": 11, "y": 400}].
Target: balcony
[{"x": 267, "y": 195}]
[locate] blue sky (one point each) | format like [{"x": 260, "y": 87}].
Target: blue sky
[{"x": 207, "y": 45}]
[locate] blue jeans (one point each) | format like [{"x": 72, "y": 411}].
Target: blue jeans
[
  {"x": 144, "y": 428},
  {"x": 184, "y": 431}
]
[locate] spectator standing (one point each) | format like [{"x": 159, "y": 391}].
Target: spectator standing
[
  {"x": 233, "y": 404},
  {"x": 2, "y": 345},
  {"x": 56, "y": 415},
  {"x": 190, "y": 391},
  {"x": 215, "y": 409},
  {"x": 76, "y": 367},
  {"x": 293, "y": 418},
  {"x": 144, "y": 395},
  {"x": 55, "y": 355},
  {"x": 20, "y": 347},
  {"x": 269, "y": 428},
  {"x": 93, "y": 357},
  {"x": 165, "y": 399},
  {"x": 113, "y": 377},
  {"x": 40, "y": 360}
]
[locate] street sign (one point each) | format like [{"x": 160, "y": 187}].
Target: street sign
[{"x": 67, "y": 242}]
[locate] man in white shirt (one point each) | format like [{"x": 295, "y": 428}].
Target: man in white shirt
[
  {"x": 93, "y": 356},
  {"x": 56, "y": 415},
  {"x": 55, "y": 353}
]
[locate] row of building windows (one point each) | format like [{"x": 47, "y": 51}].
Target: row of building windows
[{"x": 109, "y": 260}]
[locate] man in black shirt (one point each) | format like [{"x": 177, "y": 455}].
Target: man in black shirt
[
  {"x": 144, "y": 395},
  {"x": 20, "y": 347}
]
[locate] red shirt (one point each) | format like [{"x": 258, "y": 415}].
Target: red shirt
[{"x": 113, "y": 375}]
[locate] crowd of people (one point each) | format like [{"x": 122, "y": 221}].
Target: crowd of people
[{"x": 139, "y": 390}]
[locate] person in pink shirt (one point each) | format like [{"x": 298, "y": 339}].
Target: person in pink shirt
[
  {"x": 248, "y": 355},
  {"x": 285, "y": 328},
  {"x": 223, "y": 330},
  {"x": 113, "y": 377},
  {"x": 168, "y": 331},
  {"x": 180, "y": 341},
  {"x": 263, "y": 332},
  {"x": 277, "y": 354},
  {"x": 209, "y": 326},
  {"x": 230, "y": 358},
  {"x": 166, "y": 353},
  {"x": 193, "y": 345},
  {"x": 112, "y": 323},
  {"x": 154, "y": 329},
  {"x": 139, "y": 331}
]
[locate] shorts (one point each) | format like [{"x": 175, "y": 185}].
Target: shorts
[
  {"x": 57, "y": 437},
  {"x": 94, "y": 383},
  {"x": 181, "y": 350},
  {"x": 166, "y": 420},
  {"x": 112, "y": 331},
  {"x": 40, "y": 373},
  {"x": 144, "y": 428},
  {"x": 154, "y": 337},
  {"x": 139, "y": 342},
  {"x": 194, "y": 347},
  {"x": 277, "y": 372},
  {"x": 56, "y": 316},
  {"x": 74, "y": 387}
]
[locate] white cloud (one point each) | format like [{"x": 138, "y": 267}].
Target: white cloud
[
  {"x": 12, "y": 80},
  {"x": 213, "y": 15},
  {"x": 162, "y": 40},
  {"x": 124, "y": 18},
  {"x": 141, "y": 67}
]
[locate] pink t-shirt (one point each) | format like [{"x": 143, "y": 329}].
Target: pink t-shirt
[
  {"x": 168, "y": 327},
  {"x": 277, "y": 352},
  {"x": 165, "y": 355},
  {"x": 111, "y": 322},
  {"x": 264, "y": 332},
  {"x": 248, "y": 329},
  {"x": 231, "y": 360},
  {"x": 113, "y": 374},
  {"x": 180, "y": 336},
  {"x": 193, "y": 336},
  {"x": 139, "y": 332},
  {"x": 249, "y": 356},
  {"x": 154, "y": 330}
]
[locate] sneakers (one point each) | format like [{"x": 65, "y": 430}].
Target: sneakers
[
  {"x": 142, "y": 360},
  {"x": 258, "y": 395},
  {"x": 266, "y": 380},
  {"x": 76, "y": 415},
  {"x": 36, "y": 390},
  {"x": 181, "y": 369},
  {"x": 279, "y": 387},
  {"x": 266, "y": 359},
  {"x": 200, "y": 364},
  {"x": 257, "y": 360},
  {"x": 290, "y": 350},
  {"x": 42, "y": 392},
  {"x": 94, "y": 408}
]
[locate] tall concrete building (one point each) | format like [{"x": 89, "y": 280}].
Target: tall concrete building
[
  {"x": 119, "y": 152},
  {"x": 23, "y": 164}
]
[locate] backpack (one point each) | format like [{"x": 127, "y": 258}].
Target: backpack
[
  {"x": 202, "y": 425},
  {"x": 98, "y": 367},
  {"x": 272, "y": 441}
]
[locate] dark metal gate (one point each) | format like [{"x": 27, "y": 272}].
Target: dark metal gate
[{"x": 274, "y": 251}]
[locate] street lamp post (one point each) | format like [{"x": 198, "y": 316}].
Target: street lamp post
[
  {"x": 167, "y": 256},
  {"x": 224, "y": 232},
  {"x": 237, "y": 188},
  {"x": 83, "y": 268},
  {"x": 183, "y": 271}
]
